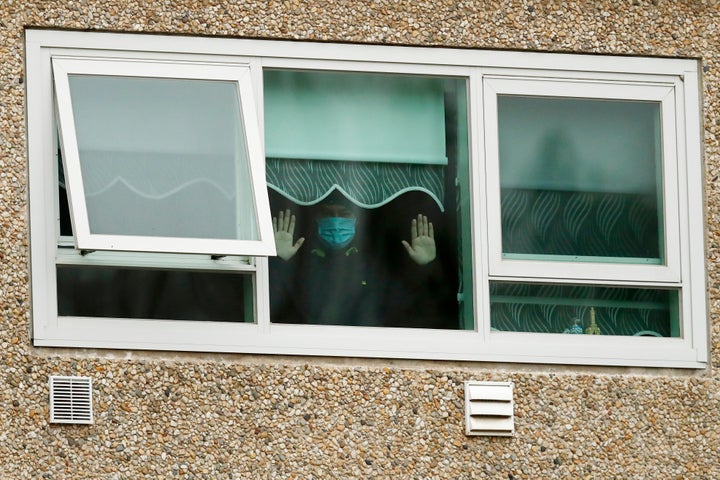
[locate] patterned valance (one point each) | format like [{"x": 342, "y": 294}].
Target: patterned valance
[{"x": 367, "y": 184}]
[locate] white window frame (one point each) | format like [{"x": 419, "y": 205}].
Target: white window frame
[
  {"x": 563, "y": 269},
  {"x": 136, "y": 68},
  {"x": 685, "y": 269}
]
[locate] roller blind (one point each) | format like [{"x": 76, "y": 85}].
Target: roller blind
[{"x": 354, "y": 117}]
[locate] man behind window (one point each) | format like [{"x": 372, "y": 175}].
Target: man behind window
[{"x": 336, "y": 279}]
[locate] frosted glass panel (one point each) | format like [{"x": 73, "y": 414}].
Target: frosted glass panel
[
  {"x": 163, "y": 157},
  {"x": 580, "y": 178}
]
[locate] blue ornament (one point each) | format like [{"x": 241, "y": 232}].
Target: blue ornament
[{"x": 575, "y": 329}]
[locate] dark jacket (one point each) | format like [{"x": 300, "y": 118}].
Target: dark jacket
[{"x": 346, "y": 287}]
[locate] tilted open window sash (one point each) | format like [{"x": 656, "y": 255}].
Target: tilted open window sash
[{"x": 162, "y": 156}]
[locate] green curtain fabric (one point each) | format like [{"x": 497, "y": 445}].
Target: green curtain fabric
[
  {"x": 550, "y": 222},
  {"x": 370, "y": 136},
  {"x": 519, "y": 307}
]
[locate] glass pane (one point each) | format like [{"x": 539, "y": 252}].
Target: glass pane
[
  {"x": 520, "y": 307},
  {"x": 581, "y": 179},
  {"x": 163, "y": 157},
  {"x": 154, "y": 294},
  {"x": 354, "y": 213}
]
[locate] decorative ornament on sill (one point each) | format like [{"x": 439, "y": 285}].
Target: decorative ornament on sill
[
  {"x": 575, "y": 329},
  {"x": 593, "y": 328}
]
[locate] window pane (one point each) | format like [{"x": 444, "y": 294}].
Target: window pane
[
  {"x": 364, "y": 178},
  {"x": 154, "y": 294},
  {"x": 521, "y": 307},
  {"x": 580, "y": 179},
  {"x": 163, "y": 157}
]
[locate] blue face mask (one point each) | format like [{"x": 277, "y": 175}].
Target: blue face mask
[{"x": 336, "y": 232}]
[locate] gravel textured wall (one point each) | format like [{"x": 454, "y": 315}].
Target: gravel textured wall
[{"x": 222, "y": 416}]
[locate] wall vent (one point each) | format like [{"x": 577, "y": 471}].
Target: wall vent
[
  {"x": 71, "y": 400},
  {"x": 489, "y": 409}
]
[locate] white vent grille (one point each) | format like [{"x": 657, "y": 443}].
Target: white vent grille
[
  {"x": 71, "y": 400},
  {"x": 489, "y": 409}
]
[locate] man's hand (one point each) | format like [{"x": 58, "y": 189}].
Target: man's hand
[
  {"x": 284, "y": 228},
  {"x": 422, "y": 241}
]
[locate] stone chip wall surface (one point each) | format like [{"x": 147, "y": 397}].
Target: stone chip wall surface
[{"x": 161, "y": 415}]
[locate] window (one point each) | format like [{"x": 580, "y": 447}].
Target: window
[
  {"x": 276, "y": 197},
  {"x": 385, "y": 149},
  {"x": 161, "y": 157},
  {"x": 583, "y": 170}
]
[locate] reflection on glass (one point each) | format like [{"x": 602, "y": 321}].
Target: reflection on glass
[
  {"x": 521, "y": 307},
  {"x": 163, "y": 157},
  {"x": 581, "y": 179},
  {"x": 154, "y": 294},
  {"x": 353, "y": 159}
]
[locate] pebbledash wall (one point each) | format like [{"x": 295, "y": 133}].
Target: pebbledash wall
[{"x": 186, "y": 415}]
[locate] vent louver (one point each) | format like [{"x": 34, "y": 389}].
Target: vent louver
[
  {"x": 489, "y": 409},
  {"x": 71, "y": 400}
]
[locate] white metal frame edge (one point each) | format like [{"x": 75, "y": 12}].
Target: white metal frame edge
[{"x": 84, "y": 238}]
